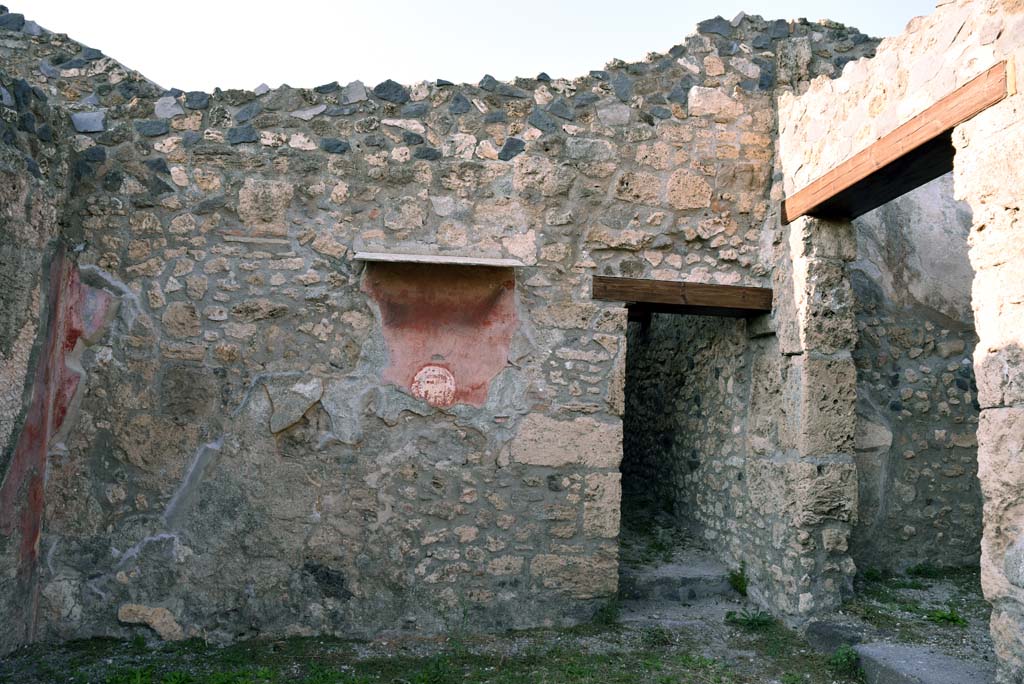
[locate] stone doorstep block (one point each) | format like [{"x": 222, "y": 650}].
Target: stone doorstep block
[
  {"x": 901, "y": 664},
  {"x": 825, "y": 636},
  {"x": 692, "y": 575},
  {"x": 813, "y": 237}
]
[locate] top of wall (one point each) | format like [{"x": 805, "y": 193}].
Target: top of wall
[
  {"x": 90, "y": 83},
  {"x": 936, "y": 54},
  {"x": 77, "y": 56},
  {"x": 660, "y": 168}
]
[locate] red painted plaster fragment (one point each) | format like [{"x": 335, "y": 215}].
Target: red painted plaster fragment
[{"x": 447, "y": 328}]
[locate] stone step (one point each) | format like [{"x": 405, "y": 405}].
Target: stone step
[
  {"x": 692, "y": 575},
  {"x": 698, "y": 614},
  {"x": 907, "y": 664}
]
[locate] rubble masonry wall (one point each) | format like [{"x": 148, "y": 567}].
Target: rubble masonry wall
[
  {"x": 834, "y": 119},
  {"x": 242, "y": 456}
]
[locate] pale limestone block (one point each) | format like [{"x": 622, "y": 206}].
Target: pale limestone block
[{"x": 545, "y": 441}]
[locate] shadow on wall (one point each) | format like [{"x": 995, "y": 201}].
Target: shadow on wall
[
  {"x": 919, "y": 496},
  {"x": 686, "y": 395}
]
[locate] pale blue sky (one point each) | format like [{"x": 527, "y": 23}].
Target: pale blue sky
[{"x": 198, "y": 45}]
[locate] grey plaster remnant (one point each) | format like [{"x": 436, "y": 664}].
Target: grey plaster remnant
[
  {"x": 181, "y": 501},
  {"x": 343, "y": 401},
  {"x": 291, "y": 400}
]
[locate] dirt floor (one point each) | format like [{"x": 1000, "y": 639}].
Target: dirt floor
[
  {"x": 712, "y": 641},
  {"x": 720, "y": 639},
  {"x": 938, "y": 607},
  {"x": 747, "y": 649}
]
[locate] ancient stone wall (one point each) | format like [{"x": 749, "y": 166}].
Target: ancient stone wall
[
  {"x": 270, "y": 438},
  {"x": 988, "y": 176},
  {"x": 834, "y": 119},
  {"x": 32, "y": 175},
  {"x": 917, "y": 411}
]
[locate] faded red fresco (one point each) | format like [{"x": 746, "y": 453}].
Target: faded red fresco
[
  {"x": 447, "y": 328},
  {"x": 74, "y": 311}
]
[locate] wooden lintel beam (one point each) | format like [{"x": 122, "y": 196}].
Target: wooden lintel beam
[
  {"x": 644, "y": 296},
  {"x": 914, "y": 153}
]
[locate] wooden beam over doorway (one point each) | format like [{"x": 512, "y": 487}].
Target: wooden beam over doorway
[
  {"x": 918, "y": 151},
  {"x": 646, "y": 296}
]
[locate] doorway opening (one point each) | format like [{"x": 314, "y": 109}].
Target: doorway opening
[
  {"x": 684, "y": 527},
  {"x": 918, "y": 537},
  {"x": 687, "y": 380}
]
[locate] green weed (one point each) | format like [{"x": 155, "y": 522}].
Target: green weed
[
  {"x": 950, "y": 616},
  {"x": 874, "y": 575},
  {"x": 738, "y": 579},
  {"x": 844, "y": 662},
  {"x": 750, "y": 620},
  {"x": 657, "y": 637},
  {"x": 608, "y": 614}
]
